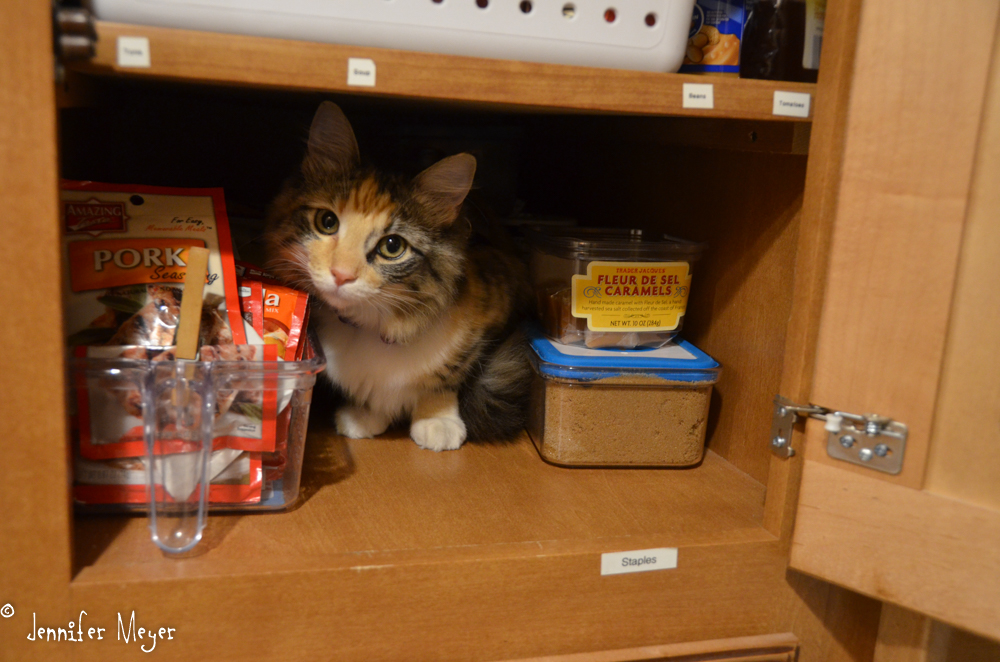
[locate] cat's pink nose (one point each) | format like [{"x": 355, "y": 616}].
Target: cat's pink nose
[{"x": 342, "y": 276}]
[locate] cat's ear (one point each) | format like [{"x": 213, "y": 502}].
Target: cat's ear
[
  {"x": 332, "y": 146},
  {"x": 444, "y": 185}
]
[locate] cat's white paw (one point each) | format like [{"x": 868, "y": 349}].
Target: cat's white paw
[
  {"x": 438, "y": 434},
  {"x": 360, "y": 422}
]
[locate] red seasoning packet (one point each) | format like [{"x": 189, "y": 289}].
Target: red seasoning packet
[
  {"x": 247, "y": 270},
  {"x": 286, "y": 311},
  {"x": 284, "y": 319},
  {"x": 234, "y": 477},
  {"x": 252, "y": 304}
]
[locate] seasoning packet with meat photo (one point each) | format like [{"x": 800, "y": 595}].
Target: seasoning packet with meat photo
[
  {"x": 126, "y": 253},
  {"x": 109, "y": 407},
  {"x": 234, "y": 477}
]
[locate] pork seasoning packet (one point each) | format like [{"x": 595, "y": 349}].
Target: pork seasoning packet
[
  {"x": 126, "y": 253},
  {"x": 235, "y": 477}
]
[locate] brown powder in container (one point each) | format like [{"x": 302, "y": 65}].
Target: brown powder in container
[{"x": 623, "y": 421}]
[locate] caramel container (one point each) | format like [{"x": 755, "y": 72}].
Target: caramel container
[
  {"x": 610, "y": 287},
  {"x": 628, "y": 408}
]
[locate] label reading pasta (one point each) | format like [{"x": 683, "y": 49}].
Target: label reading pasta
[{"x": 629, "y": 296}]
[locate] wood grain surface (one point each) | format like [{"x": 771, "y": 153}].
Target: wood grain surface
[
  {"x": 819, "y": 207},
  {"x": 910, "y": 147},
  {"x": 255, "y": 61},
  {"x": 766, "y": 648},
  {"x": 35, "y": 548},
  {"x": 386, "y": 501},
  {"x": 927, "y": 553},
  {"x": 964, "y": 462}
]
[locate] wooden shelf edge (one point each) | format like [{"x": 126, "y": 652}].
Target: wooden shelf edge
[
  {"x": 715, "y": 592},
  {"x": 502, "y": 504},
  {"x": 400, "y": 560},
  {"x": 226, "y": 59},
  {"x": 760, "y": 648}
]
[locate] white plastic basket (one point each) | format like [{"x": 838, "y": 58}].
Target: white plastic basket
[{"x": 647, "y": 35}]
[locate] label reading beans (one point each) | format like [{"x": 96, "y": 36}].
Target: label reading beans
[{"x": 632, "y": 296}]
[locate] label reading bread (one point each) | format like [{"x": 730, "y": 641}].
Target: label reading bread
[{"x": 629, "y": 296}]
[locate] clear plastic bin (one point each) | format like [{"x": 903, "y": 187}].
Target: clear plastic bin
[
  {"x": 188, "y": 436},
  {"x": 611, "y": 287}
]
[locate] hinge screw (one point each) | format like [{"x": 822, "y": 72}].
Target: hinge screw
[
  {"x": 865, "y": 454},
  {"x": 882, "y": 450},
  {"x": 847, "y": 441},
  {"x": 779, "y": 442},
  {"x": 875, "y": 424}
]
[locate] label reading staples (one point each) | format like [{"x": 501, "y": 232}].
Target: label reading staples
[
  {"x": 791, "y": 104},
  {"x": 632, "y": 296},
  {"x": 134, "y": 52},
  {"x": 361, "y": 72},
  {"x": 640, "y": 560},
  {"x": 699, "y": 95}
]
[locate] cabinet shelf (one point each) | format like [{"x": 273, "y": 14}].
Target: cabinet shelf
[
  {"x": 387, "y": 502},
  {"x": 225, "y": 59}
]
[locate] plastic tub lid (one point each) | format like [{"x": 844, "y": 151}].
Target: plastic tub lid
[
  {"x": 678, "y": 361},
  {"x": 611, "y": 243}
]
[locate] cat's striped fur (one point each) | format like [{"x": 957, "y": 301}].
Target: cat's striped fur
[{"x": 428, "y": 335}]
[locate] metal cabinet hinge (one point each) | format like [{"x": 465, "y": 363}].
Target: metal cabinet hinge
[
  {"x": 73, "y": 34},
  {"x": 867, "y": 440}
]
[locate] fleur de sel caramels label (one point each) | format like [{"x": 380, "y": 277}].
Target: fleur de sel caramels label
[{"x": 632, "y": 296}]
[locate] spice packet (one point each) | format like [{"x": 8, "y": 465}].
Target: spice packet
[
  {"x": 252, "y": 305},
  {"x": 286, "y": 311},
  {"x": 235, "y": 477},
  {"x": 248, "y": 270},
  {"x": 109, "y": 409},
  {"x": 284, "y": 319}
]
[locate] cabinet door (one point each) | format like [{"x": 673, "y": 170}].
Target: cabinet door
[{"x": 911, "y": 319}]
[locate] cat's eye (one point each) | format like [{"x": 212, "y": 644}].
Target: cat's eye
[
  {"x": 392, "y": 246},
  {"x": 326, "y": 221}
]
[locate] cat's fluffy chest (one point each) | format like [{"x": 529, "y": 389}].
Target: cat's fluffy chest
[{"x": 389, "y": 378}]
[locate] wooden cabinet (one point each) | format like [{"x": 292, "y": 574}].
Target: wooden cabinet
[{"x": 842, "y": 277}]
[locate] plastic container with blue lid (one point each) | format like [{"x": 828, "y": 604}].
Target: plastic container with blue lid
[{"x": 598, "y": 407}]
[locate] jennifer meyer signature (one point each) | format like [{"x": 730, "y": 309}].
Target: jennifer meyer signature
[{"x": 75, "y": 632}]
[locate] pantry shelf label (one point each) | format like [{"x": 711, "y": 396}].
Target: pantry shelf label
[
  {"x": 698, "y": 95},
  {"x": 641, "y": 560},
  {"x": 360, "y": 72},
  {"x": 133, "y": 52},
  {"x": 632, "y": 296},
  {"x": 791, "y": 104}
]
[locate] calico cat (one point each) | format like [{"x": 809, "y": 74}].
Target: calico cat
[{"x": 417, "y": 321}]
